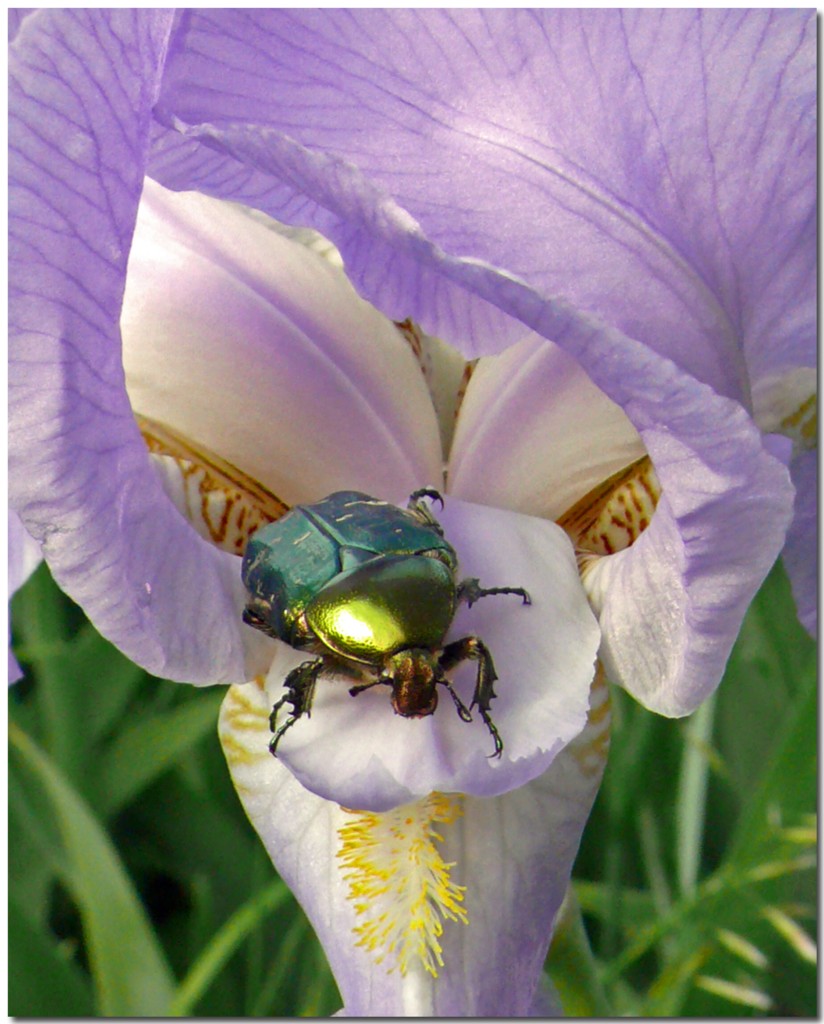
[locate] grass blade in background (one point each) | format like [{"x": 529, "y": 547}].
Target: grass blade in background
[{"x": 129, "y": 970}]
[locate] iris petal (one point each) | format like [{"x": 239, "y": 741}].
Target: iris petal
[
  {"x": 535, "y": 434},
  {"x": 262, "y": 352},
  {"x": 513, "y": 853},
  {"x": 677, "y": 210},
  {"x": 81, "y": 90},
  {"x": 670, "y": 622},
  {"x": 621, "y": 184}
]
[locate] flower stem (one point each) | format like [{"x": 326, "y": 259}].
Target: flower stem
[{"x": 692, "y": 792}]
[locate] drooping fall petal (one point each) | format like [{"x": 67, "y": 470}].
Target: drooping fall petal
[{"x": 512, "y": 853}]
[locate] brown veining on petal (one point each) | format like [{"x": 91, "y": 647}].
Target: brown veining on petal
[
  {"x": 223, "y": 503},
  {"x": 616, "y": 512},
  {"x": 469, "y": 369},
  {"x": 411, "y": 334}
]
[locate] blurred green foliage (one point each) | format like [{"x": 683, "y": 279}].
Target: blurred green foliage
[{"x": 138, "y": 888}]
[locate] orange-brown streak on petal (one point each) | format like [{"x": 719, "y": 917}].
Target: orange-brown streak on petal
[
  {"x": 469, "y": 369},
  {"x": 411, "y": 334},
  {"x": 616, "y": 512},
  {"x": 466, "y": 377},
  {"x": 228, "y": 503}
]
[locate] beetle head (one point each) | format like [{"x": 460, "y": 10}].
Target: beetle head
[{"x": 413, "y": 675}]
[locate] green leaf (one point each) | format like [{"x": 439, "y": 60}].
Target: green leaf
[
  {"x": 109, "y": 678},
  {"x": 35, "y": 855},
  {"x": 293, "y": 937},
  {"x": 34, "y": 957},
  {"x": 130, "y": 973},
  {"x": 572, "y": 966},
  {"x": 595, "y": 899},
  {"x": 767, "y": 670},
  {"x": 82, "y": 682},
  {"x": 144, "y": 751},
  {"x": 787, "y": 789},
  {"x": 223, "y": 944}
]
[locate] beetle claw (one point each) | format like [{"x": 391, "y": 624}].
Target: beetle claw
[{"x": 425, "y": 492}]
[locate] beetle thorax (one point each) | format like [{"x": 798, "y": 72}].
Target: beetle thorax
[{"x": 413, "y": 674}]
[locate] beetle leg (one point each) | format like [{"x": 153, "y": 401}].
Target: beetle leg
[
  {"x": 470, "y": 647},
  {"x": 355, "y": 690},
  {"x": 463, "y": 711},
  {"x": 424, "y": 512},
  {"x": 470, "y": 590},
  {"x": 300, "y": 691}
]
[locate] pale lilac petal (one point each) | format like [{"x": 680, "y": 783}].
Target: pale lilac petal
[
  {"x": 678, "y": 207},
  {"x": 514, "y": 854},
  {"x": 546, "y": 1002},
  {"x": 356, "y": 751},
  {"x": 82, "y": 86},
  {"x": 261, "y": 351},
  {"x": 17, "y": 15},
  {"x": 801, "y": 550},
  {"x": 671, "y": 605}
]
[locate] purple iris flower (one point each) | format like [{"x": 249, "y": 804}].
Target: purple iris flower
[{"x": 613, "y": 210}]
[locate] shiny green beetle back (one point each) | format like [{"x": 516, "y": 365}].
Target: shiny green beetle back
[
  {"x": 363, "y": 527},
  {"x": 385, "y": 606},
  {"x": 289, "y": 561}
]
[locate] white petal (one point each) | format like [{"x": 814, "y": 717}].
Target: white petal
[
  {"x": 260, "y": 350},
  {"x": 535, "y": 434}
]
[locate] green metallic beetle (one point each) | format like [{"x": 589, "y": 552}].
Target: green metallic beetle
[{"x": 371, "y": 589}]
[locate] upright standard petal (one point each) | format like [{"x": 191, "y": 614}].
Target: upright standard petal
[
  {"x": 453, "y": 914},
  {"x": 535, "y": 434},
  {"x": 678, "y": 208},
  {"x": 82, "y": 87},
  {"x": 262, "y": 352}
]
